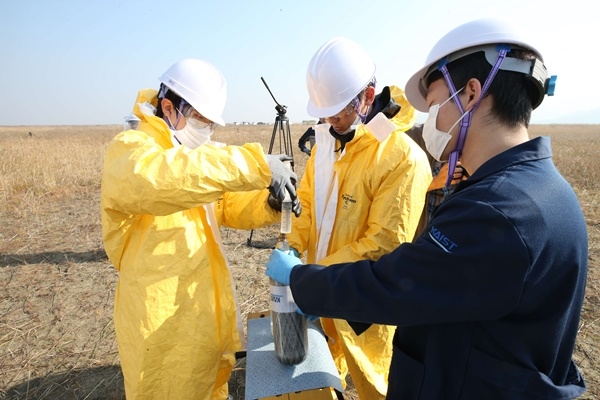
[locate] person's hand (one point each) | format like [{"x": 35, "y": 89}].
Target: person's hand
[
  {"x": 439, "y": 181},
  {"x": 282, "y": 178},
  {"x": 280, "y": 265},
  {"x": 306, "y": 151},
  {"x": 276, "y": 205},
  {"x": 458, "y": 174}
]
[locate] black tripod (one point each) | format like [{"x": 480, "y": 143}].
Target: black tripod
[{"x": 281, "y": 130}]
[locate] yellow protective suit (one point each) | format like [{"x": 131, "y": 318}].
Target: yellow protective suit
[
  {"x": 363, "y": 206},
  {"x": 176, "y": 317}
]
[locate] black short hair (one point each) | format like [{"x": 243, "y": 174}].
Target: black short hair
[{"x": 169, "y": 94}]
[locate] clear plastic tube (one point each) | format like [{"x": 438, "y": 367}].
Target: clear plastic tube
[
  {"x": 286, "y": 209},
  {"x": 286, "y": 214}
]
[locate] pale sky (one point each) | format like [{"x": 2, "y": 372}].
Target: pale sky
[{"x": 81, "y": 62}]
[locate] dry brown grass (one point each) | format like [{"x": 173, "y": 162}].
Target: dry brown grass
[{"x": 56, "y": 285}]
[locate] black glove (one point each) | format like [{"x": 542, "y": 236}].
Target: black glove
[
  {"x": 282, "y": 178},
  {"x": 276, "y": 205},
  {"x": 306, "y": 150}
]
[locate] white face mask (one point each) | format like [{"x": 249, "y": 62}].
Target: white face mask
[
  {"x": 195, "y": 133},
  {"x": 436, "y": 140},
  {"x": 353, "y": 126}
]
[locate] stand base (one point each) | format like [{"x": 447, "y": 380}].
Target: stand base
[{"x": 266, "y": 378}]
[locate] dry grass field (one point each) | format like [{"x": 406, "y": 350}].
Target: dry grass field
[{"x": 57, "y": 337}]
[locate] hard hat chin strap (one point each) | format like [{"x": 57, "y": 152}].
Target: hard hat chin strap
[
  {"x": 161, "y": 95},
  {"x": 163, "y": 91},
  {"x": 466, "y": 118},
  {"x": 363, "y": 117},
  {"x": 356, "y": 101}
]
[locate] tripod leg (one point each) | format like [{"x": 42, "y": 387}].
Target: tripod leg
[
  {"x": 273, "y": 135},
  {"x": 249, "y": 241},
  {"x": 289, "y": 148}
]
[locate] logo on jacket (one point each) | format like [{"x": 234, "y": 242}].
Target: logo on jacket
[
  {"x": 441, "y": 240},
  {"x": 347, "y": 200}
]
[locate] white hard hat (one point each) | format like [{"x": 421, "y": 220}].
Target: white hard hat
[
  {"x": 336, "y": 74},
  {"x": 480, "y": 35},
  {"x": 199, "y": 83}
]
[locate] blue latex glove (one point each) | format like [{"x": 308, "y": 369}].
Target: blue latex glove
[
  {"x": 280, "y": 265},
  {"x": 294, "y": 252}
]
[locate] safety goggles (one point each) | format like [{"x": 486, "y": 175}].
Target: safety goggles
[
  {"x": 190, "y": 113},
  {"x": 347, "y": 110}
]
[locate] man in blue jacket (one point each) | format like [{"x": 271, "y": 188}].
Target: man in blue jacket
[{"x": 487, "y": 300}]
